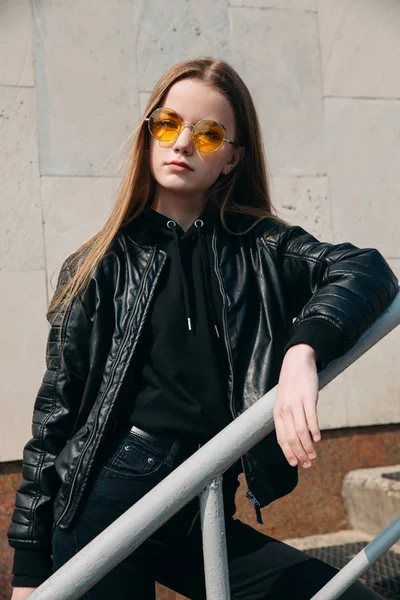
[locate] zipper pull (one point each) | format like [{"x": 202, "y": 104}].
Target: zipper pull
[{"x": 256, "y": 506}]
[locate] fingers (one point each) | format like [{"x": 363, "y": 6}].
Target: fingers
[
  {"x": 312, "y": 419},
  {"x": 302, "y": 430},
  {"x": 293, "y": 426}
]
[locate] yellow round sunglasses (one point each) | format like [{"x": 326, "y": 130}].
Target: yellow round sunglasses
[{"x": 165, "y": 125}]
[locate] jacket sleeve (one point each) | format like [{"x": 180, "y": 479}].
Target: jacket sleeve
[
  {"x": 333, "y": 291},
  {"x": 55, "y": 409}
]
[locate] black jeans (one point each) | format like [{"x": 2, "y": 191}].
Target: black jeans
[{"x": 260, "y": 567}]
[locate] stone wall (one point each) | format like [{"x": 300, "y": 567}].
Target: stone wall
[{"x": 74, "y": 87}]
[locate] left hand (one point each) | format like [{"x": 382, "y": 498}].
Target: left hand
[{"x": 295, "y": 411}]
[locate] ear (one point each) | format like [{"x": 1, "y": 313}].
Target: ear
[{"x": 235, "y": 157}]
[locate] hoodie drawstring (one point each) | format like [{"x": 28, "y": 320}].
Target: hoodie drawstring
[
  {"x": 172, "y": 225},
  {"x": 205, "y": 265}
]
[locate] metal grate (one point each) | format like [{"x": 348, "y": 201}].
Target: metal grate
[
  {"x": 383, "y": 576},
  {"x": 395, "y": 476}
]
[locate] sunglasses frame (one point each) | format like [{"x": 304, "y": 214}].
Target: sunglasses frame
[{"x": 183, "y": 124}]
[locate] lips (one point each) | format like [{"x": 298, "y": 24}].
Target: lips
[{"x": 181, "y": 164}]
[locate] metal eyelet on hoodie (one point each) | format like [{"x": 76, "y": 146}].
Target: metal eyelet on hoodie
[
  {"x": 198, "y": 223},
  {"x": 172, "y": 223}
]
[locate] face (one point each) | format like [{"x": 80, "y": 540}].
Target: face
[{"x": 194, "y": 101}]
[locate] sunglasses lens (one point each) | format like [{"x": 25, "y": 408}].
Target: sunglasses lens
[
  {"x": 164, "y": 124},
  {"x": 208, "y": 136}
]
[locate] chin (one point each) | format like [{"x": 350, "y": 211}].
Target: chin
[
  {"x": 177, "y": 184},
  {"x": 182, "y": 190}
]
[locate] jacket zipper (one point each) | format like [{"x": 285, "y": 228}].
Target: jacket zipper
[
  {"x": 123, "y": 343},
  {"x": 224, "y": 322},
  {"x": 256, "y": 506},
  {"x": 249, "y": 493}
]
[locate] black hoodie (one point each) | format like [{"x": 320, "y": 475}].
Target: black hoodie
[{"x": 179, "y": 376}]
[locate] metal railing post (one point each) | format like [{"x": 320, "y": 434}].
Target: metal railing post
[
  {"x": 360, "y": 563},
  {"x": 188, "y": 480},
  {"x": 214, "y": 541}
]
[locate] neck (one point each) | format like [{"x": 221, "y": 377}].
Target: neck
[{"x": 184, "y": 209}]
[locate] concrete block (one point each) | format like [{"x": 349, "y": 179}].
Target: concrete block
[
  {"x": 86, "y": 84},
  {"x": 304, "y": 201},
  {"x": 21, "y": 237},
  {"x": 74, "y": 209},
  {"x": 16, "y": 66},
  {"x": 170, "y": 32},
  {"x": 368, "y": 392},
  {"x": 276, "y": 53},
  {"x": 362, "y": 138},
  {"x": 372, "y": 501},
  {"x": 360, "y": 50},
  {"x": 278, "y": 4},
  {"x": 22, "y": 355}
]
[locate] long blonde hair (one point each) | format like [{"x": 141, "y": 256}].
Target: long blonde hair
[{"x": 245, "y": 190}]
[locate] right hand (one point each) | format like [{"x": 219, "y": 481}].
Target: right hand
[
  {"x": 20, "y": 593},
  {"x": 295, "y": 410}
]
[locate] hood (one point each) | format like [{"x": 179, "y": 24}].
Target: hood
[{"x": 156, "y": 228}]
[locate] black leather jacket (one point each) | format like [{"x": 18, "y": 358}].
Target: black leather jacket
[{"x": 267, "y": 278}]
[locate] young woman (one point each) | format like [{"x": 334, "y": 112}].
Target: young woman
[{"x": 167, "y": 324}]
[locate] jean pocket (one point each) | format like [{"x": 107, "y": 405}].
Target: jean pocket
[{"x": 133, "y": 456}]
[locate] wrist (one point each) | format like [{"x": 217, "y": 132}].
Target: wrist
[{"x": 303, "y": 350}]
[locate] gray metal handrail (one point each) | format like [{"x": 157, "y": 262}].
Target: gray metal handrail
[
  {"x": 214, "y": 541},
  {"x": 188, "y": 480},
  {"x": 360, "y": 563}
]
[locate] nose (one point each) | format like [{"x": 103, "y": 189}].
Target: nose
[{"x": 184, "y": 140}]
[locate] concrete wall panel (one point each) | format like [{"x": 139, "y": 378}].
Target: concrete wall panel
[
  {"x": 368, "y": 392},
  {"x": 22, "y": 355},
  {"x": 276, "y": 52},
  {"x": 278, "y": 4},
  {"x": 74, "y": 209},
  {"x": 360, "y": 50},
  {"x": 21, "y": 238},
  {"x": 86, "y": 84},
  {"x": 363, "y": 148},
  {"x": 16, "y": 43},
  {"x": 143, "y": 100},
  {"x": 334, "y": 161},
  {"x": 171, "y": 32},
  {"x": 304, "y": 201}
]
